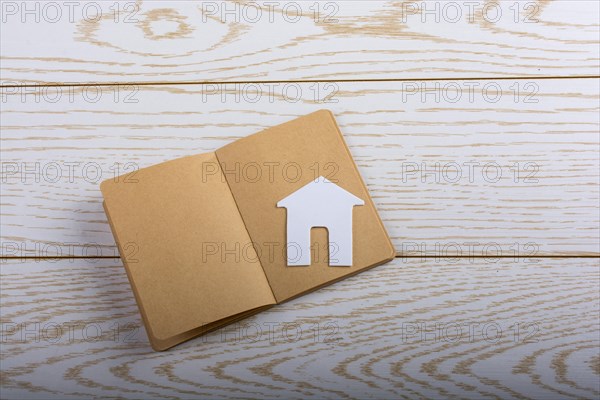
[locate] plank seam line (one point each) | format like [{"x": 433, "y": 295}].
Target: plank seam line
[
  {"x": 179, "y": 83},
  {"x": 397, "y": 256}
]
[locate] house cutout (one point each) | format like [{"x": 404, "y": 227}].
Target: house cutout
[{"x": 320, "y": 203}]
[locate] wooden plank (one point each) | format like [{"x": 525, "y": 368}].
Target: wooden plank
[
  {"x": 431, "y": 164},
  {"x": 180, "y": 41},
  {"x": 430, "y": 329}
]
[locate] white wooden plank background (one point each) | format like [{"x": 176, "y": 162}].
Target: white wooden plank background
[
  {"x": 396, "y": 136},
  {"x": 159, "y": 41},
  {"x": 371, "y": 343},
  {"x": 378, "y": 350}
]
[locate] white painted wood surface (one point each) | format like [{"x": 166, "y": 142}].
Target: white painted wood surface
[
  {"x": 431, "y": 329},
  {"x": 387, "y": 333},
  {"x": 174, "y": 41},
  {"x": 431, "y": 163}
]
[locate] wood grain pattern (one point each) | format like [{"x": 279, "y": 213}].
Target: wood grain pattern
[
  {"x": 472, "y": 92},
  {"x": 179, "y": 41},
  {"x": 55, "y": 153},
  {"x": 370, "y": 342}
]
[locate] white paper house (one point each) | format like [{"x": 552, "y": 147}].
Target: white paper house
[{"x": 320, "y": 203}]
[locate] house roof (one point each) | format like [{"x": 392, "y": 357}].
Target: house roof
[{"x": 317, "y": 190}]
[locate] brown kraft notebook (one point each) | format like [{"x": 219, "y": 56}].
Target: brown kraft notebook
[{"x": 212, "y": 238}]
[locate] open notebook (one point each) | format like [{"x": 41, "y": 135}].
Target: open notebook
[{"x": 207, "y": 239}]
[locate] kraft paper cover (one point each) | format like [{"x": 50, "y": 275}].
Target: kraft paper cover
[{"x": 204, "y": 243}]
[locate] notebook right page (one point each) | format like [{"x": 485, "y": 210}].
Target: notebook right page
[{"x": 291, "y": 178}]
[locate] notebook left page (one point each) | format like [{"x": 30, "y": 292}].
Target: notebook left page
[{"x": 184, "y": 245}]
